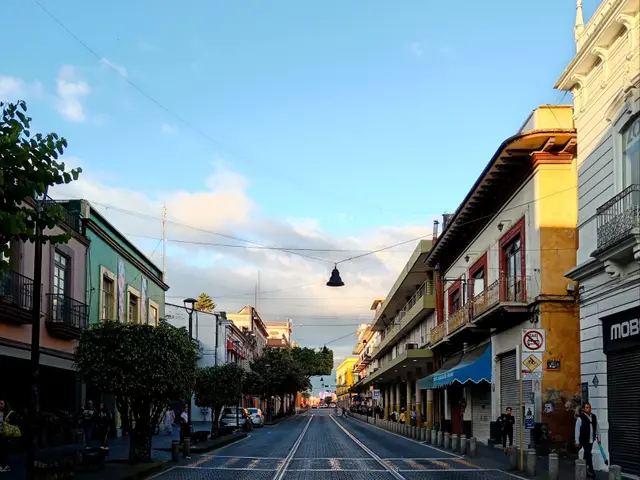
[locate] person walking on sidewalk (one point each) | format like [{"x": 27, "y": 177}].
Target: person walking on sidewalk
[
  {"x": 506, "y": 422},
  {"x": 89, "y": 417},
  {"x": 587, "y": 433},
  {"x": 103, "y": 422},
  {"x": 184, "y": 424},
  {"x": 169, "y": 419}
]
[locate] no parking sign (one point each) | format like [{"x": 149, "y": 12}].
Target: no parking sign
[{"x": 534, "y": 340}]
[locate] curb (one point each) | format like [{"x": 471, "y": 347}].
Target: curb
[{"x": 199, "y": 448}]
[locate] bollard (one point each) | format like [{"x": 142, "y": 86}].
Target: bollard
[
  {"x": 581, "y": 469},
  {"x": 434, "y": 437},
  {"x": 514, "y": 458},
  {"x": 455, "y": 443},
  {"x": 407, "y": 430},
  {"x": 440, "y": 438},
  {"x": 427, "y": 435},
  {"x": 186, "y": 447},
  {"x": 530, "y": 459},
  {"x": 175, "y": 450},
  {"x": 463, "y": 444},
  {"x": 414, "y": 432},
  {"x": 615, "y": 472},
  {"x": 423, "y": 434},
  {"x": 447, "y": 440},
  {"x": 473, "y": 446},
  {"x": 554, "y": 465}
]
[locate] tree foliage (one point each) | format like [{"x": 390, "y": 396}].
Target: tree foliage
[
  {"x": 205, "y": 303},
  {"x": 312, "y": 362},
  {"x": 218, "y": 386},
  {"x": 144, "y": 366},
  {"x": 28, "y": 166}
]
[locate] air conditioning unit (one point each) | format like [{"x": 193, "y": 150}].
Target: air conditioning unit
[{"x": 411, "y": 346}]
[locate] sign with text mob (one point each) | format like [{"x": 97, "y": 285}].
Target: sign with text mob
[{"x": 534, "y": 340}]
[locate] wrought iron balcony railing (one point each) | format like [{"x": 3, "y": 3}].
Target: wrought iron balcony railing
[
  {"x": 458, "y": 319},
  {"x": 486, "y": 299},
  {"x": 619, "y": 217},
  {"x": 68, "y": 311},
  {"x": 72, "y": 220},
  {"x": 438, "y": 332},
  {"x": 398, "y": 324},
  {"x": 16, "y": 289}
]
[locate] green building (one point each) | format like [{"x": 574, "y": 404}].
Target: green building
[{"x": 122, "y": 283}]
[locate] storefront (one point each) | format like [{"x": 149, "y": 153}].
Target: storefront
[
  {"x": 510, "y": 392},
  {"x": 621, "y": 343}
]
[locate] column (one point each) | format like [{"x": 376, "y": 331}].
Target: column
[
  {"x": 418, "y": 405},
  {"x": 429, "y": 409},
  {"x": 387, "y": 401},
  {"x": 409, "y": 395},
  {"x": 398, "y": 397}
]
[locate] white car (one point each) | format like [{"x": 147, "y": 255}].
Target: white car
[{"x": 256, "y": 417}]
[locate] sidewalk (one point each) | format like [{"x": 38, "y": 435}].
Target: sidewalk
[{"x": 118, "y": 454}]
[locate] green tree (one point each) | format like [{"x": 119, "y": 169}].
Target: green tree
[
  {"x": 328, "y": 400},
  {"x": 218, "y": 386},
  {"x": 28, "y": 166},
  {"x": 312, "y": 362},
  {"x": 205, "y": 303},
  {"x": 144, "y": 366}
]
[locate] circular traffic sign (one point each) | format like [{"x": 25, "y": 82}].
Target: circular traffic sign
[{"x": 533, "y": 340}]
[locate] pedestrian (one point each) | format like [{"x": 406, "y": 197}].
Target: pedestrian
[
  {"x": 8, "y": 429},
  {"x": 506, "y": 422},
  {"x": 169, "y": 419},
  {"x": 103, "y": 422},
  {"x": 403, "y": 416},
  {"x": 184, "y": 423},
  {"x": 89, "y": 417},
  {"x": 413, "y": 416},
  {"x": 586, "y": 434}
]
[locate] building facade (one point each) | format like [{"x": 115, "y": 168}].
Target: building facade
[
  {"x": 279, "y": 334},
  {"x": 604, "y": 78},
  {"x": 344, "y": 381},
  {"x": 500, "y": 266},
  {"x": 64, "y": 314},
  {"x": 248, "y": 320}
]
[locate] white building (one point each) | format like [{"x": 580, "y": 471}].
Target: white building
[{"x": 604, "y": 77}]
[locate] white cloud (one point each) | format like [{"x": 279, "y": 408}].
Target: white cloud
[
  {"x": 417, "y": 49},
  {"x": 114, "y": 66},
  {"x": 14, "y": 88},
  {"x": 291, "y": 286},
  {"x": 71, "y": 91},
  {"x": 168, "y": 129}
]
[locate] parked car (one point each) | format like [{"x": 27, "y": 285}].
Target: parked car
[
  {"x": 256, "y": 417},
  {"x": 234, "y": 416}
]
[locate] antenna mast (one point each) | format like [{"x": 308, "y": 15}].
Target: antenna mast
[{"x": 164, "y": 242}]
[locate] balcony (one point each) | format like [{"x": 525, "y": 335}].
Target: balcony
[
  {"x": 423, "y": 300},
  {"x": 67, "y": 317},
  {"x": 458, "y": 319},
  {"x": 438, "y": 333},
  {"x": 618, "y": 225},
  {"x": 16, "y": 298},
  {"x": 72, "y": 220}
]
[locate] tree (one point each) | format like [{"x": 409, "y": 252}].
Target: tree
[
  {"x": 218, "y": 386},
  {"x": 313, "y": 363},
  {"x": 328, "y": 400},
  {"x": 205, "y": 303},
  {"x": 28, "y": 166},
  {"x": 144, "y": 366}
]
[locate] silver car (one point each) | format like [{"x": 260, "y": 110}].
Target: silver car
[
  {"x": 234, "y": 416},
  {"x": 256, "y": 417}
]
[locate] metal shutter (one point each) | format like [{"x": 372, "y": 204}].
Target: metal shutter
[
  {"x": 481, "y": 411},
  {"x": 510, "y": 393},
  {"x": 623, "y": 384}
]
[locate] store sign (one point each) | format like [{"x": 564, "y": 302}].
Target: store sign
[{"x": 621, "y": 330}]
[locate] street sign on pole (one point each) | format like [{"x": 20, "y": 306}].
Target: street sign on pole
[
  {"x": 376, "y": 394},
  {"x": 531, "y": 366},
  {"x": 534, "y": 340}
]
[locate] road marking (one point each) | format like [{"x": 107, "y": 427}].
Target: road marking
[
  {"x": 452, "y": 455},
  {"x": 283, "y": 468},
  {"x": 368, "y": 451},
  {"x": 464, "y": 462},
  {"x": 238, "y": 456},
  {"x": 444, "y": 465}
]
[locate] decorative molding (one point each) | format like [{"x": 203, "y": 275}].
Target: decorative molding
[
  {"x": 636, "y": 253},
  {"x": 628, "y": 22},
  {"x": 613, "y": 269},
  {"x": 603, "y": 55}
]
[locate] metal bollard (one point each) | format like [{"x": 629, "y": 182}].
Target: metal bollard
[
  {"x": 427, "y": 435},
  {"x": 423, "y": 434},
  {"x": 473, "y": 446},
  {"x": 530, "y": 459},
  {"x": 447, "y": 440},
  {"x": 434, "y": 437},
  {"x": 175, "y": 450},
  {"x": 440, "y": 438},
  {"x": 414, "y": 432},
  {"x": 581, "y": 469},
  {"x": 186, "y": 447},
  {"x": 554, "y": 465},
  {"x": 514, "y": 458},
  {"x": 463, "y": 444},
  {"x": 455, "y": 442},
  {"x": 615, "y": 472}
]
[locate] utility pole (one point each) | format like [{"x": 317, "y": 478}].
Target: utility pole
[{"x": 164, "y": 242}]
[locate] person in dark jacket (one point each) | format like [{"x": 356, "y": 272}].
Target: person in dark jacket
[
  {"x": 89, "y": 417},
  {"x": 587, "y": 433},
  {"x": 507, "y": 421},
  {"x": 103, "y": 423}
]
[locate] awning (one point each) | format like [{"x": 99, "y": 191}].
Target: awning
[
  {"x": 475, "y": 366},
  {"x": 427, "y": 382}
]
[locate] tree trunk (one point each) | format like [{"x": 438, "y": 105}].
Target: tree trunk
[{"x": 141, "y": 434}]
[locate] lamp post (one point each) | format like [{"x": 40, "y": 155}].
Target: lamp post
[
  {"x": 35, "y": 342},
  {"x": 189, "y": 306},
  {"x": 268, "y": 366}
]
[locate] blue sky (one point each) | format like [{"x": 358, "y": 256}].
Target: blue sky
[{"x": 349, "y": 115}]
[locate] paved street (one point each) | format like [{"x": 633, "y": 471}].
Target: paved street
[{"x": 320, "y": 446}]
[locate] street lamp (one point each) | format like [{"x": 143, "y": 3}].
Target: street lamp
[
  {"x": 35, "y": 339},
  {"x": 189, "y": 306},
  {"x": 335, "y": 280},
  {"x": 268, "y": 366}
]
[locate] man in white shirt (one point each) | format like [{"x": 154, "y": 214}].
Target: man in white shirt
[{"x": 586, "y": 434}]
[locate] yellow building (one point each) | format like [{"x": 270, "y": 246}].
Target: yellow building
[{"x": 344, "y": 380}]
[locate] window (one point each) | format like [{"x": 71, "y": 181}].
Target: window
[
  {"x": 153, "y": 316},
  {"x": 108, "y": 296},
  {"x": 60, "y": 285},
  {"x": 478, "y": 277},
  {"x": 133, "y": 308},
  {"x": 631, "y": 153},
  {"x": 455, "y": 301},
  {"x": 478, "y": 281},
  {"x": 513, "y": 269}
]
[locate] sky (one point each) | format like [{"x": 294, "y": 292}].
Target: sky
[{"x": 338, "y": 126}]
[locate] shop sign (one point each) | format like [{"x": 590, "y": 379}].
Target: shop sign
[{"x": 621, "y": 330}]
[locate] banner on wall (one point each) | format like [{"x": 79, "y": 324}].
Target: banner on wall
[
  {"x": 121, "y": 290},
  {"x": 143, "y": 302}
]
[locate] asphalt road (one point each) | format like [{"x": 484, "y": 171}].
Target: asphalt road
[{"x": 321, "y": 446}]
